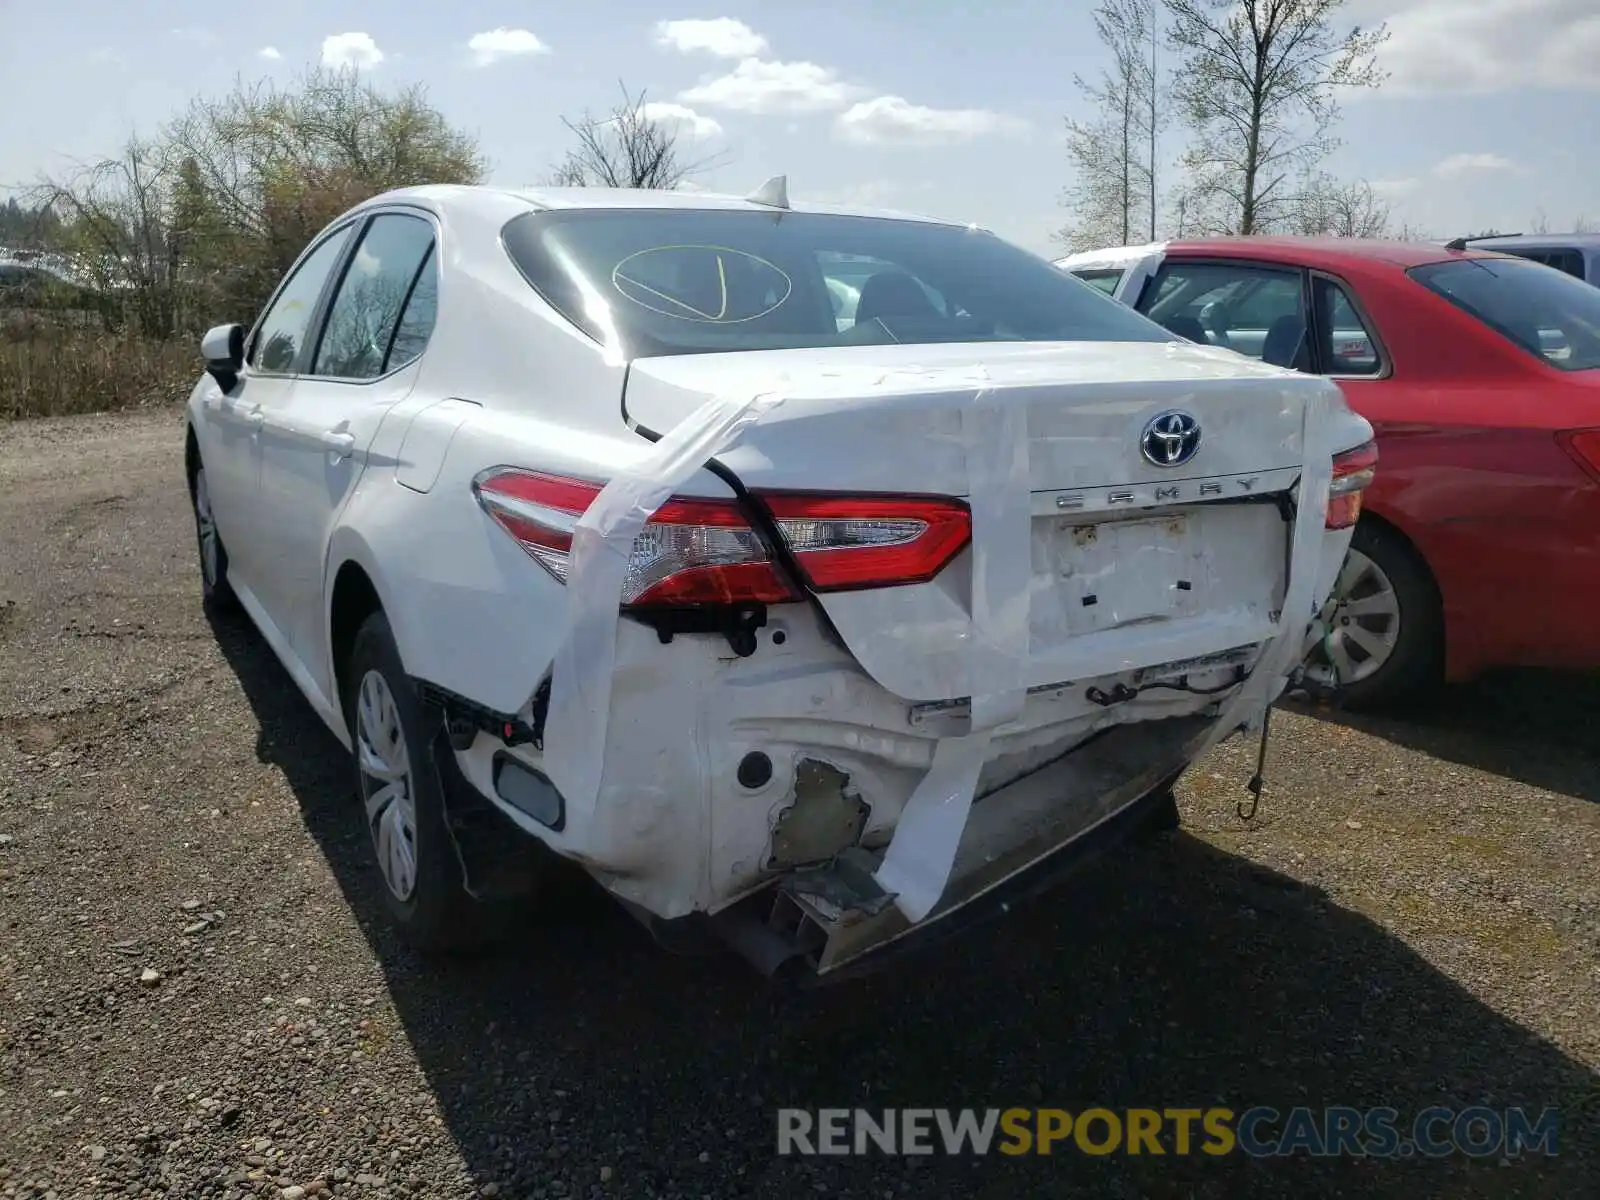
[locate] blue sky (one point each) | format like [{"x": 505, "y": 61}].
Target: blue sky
[{"x": 913, "y": 104}]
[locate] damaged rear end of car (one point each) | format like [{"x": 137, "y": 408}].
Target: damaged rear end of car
[
  {"x": 840, "y": 629},
  {"x": 960, "y": 612}
]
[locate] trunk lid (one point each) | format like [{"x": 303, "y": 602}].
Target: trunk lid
[{"x": 1134, "y": 564}]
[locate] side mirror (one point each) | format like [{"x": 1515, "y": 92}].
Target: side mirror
[{"x": 223, "y": 350}]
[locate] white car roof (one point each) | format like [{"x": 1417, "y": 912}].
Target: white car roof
[
  {"x": 1114, "y": 256},
  {"x": 487, "y": 200}
]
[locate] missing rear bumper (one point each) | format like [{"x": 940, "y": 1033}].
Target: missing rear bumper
[{"x": 834, "y": 922}]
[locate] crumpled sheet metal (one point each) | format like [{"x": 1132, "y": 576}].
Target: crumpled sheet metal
[
  {"x": 917, "y": 864},
  {"x": 602, "y": 544},
  {"x": 1249, "y": 706},
  {"x": 995, "y": 439}
]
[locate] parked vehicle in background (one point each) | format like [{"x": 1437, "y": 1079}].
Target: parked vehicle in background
[
  {"x": 1479, "y": 544},
  {"x": 989, "y": 537},
  {"x": 1105, "y": 269},
  {"x": 1578, "y": 254}
]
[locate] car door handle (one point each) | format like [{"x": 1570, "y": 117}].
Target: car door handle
[
  {"x": 339, "y": 444},
  {"x": 257, "y": 418}
]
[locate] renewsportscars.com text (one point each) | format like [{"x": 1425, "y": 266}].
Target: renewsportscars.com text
[{"x": 1259, "y": 1132}]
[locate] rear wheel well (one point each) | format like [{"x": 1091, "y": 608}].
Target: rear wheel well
[
  {"x": 354, "y": 600},
  {"x": 1394, "y": 532}
]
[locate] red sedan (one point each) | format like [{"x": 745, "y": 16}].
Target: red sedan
[{"x": 1479, "y": 543}]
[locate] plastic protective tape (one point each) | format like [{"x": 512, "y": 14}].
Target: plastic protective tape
[
  {"x": 1299, "y": 602},
  {"x": 602, "y": 545},
  {"x": 916, "y": 867}
]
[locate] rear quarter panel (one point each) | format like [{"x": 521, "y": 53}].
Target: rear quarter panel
[{"x": 1471, "y": 473}]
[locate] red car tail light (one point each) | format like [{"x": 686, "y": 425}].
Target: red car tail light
[
  {"x": 1584, "y": 446},
  {"x": 841, "y": 543},
  {"x": 696, "y": 551},
  {"x": 1353, "y": 472}
]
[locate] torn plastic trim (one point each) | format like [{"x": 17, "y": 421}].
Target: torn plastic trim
[
  {"x": 464, "y": 719},
  {"x": 809, "y": 925},
  {"x": 1144, "y": 678}
]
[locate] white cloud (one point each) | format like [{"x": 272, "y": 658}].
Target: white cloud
[
  {"x": 758, "y": 86},
  {"x": 895, "y": 119},
  {"x": 501, "y": 43},
  {"x": 269, "y": 52},
  {"x": 682, "y": 117},
  {"x": 1458, "y": 165},
  {"x": 1441, "y": 46},
  {"x": 350, "y": 50},
  {"x": 722, "y": 36}
]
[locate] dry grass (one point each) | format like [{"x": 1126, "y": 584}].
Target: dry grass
[{"x": 52, "y": 369}]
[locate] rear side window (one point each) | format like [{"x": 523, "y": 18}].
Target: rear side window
[
  {"x": 1346, "y": 344},
  {"x": 1101, "y": 280},
  {"x": 1569, "y": 261},
  {"x": 1546, "y": 312},
  {"x": 694, "y": 281},
  {"x": 1251, "y": 309},
  {"x": 366, "y": 312}
]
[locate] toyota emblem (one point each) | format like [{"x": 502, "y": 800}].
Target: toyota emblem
[{"x": 1170, "y": 438}]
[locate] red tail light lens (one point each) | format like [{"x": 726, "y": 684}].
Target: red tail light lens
[
  {"x": 1583, "y": 445},
  {"x": 1353, "y": 472},
  {"x": 697, "y": 551},
  {"x": 847, "y": 542}
]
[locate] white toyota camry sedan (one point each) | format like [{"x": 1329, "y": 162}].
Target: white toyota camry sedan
[{"x": 816, "y": 580}]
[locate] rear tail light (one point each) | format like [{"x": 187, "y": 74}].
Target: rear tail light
[
  {"x": 696, "y": 551},
  {"x": 1583, "y": 445},
  {"x": 1352, "y": 474}
]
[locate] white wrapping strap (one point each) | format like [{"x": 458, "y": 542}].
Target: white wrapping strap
[
  {"x": 917, "y": 865},
  {"x": 1281, "y": 654},
  {"x": 602, "y": 544}
]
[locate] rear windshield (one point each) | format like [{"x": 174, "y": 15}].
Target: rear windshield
[
  {"x": 1545, "y": 311},
  {"x": 692, "y": 281}
]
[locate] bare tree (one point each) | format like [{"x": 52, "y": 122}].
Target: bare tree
[
  {"x": 1258, "y": 90},
  {"x": 1328, "y": 208},
  {"x": 116, "y": 216},
  {"x": 630, "y": 148},
  {"x": 265, "y": 167},
  {"x": 1114, "y": 155}
]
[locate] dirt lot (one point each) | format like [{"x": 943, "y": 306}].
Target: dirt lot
[{"x": 1413, "y": 919}]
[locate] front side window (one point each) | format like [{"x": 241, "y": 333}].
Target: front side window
[
  {"x": 692, "y": 281},
  {"x": 282, "y": 335},
  {"x": 1545, "y": 312},
  {"x": 366, "y": 310},
  {"x": 1254, "y": 310}
]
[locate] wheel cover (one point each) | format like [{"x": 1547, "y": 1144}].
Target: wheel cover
[
  {"x": 1363, "y": 627},
  {"x": 205, "y": 529},
  {"x": 386, "y": 784}
]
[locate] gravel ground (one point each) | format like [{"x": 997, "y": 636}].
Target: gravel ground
[{"x": 199, "y": 996}]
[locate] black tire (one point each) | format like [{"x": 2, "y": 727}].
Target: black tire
[
  {"x": 216, "y": 593},
  {"x": 436, "y": 915},
  {"x": 1415, "y": 665},
  {"x": 1160, "y": 816}
]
